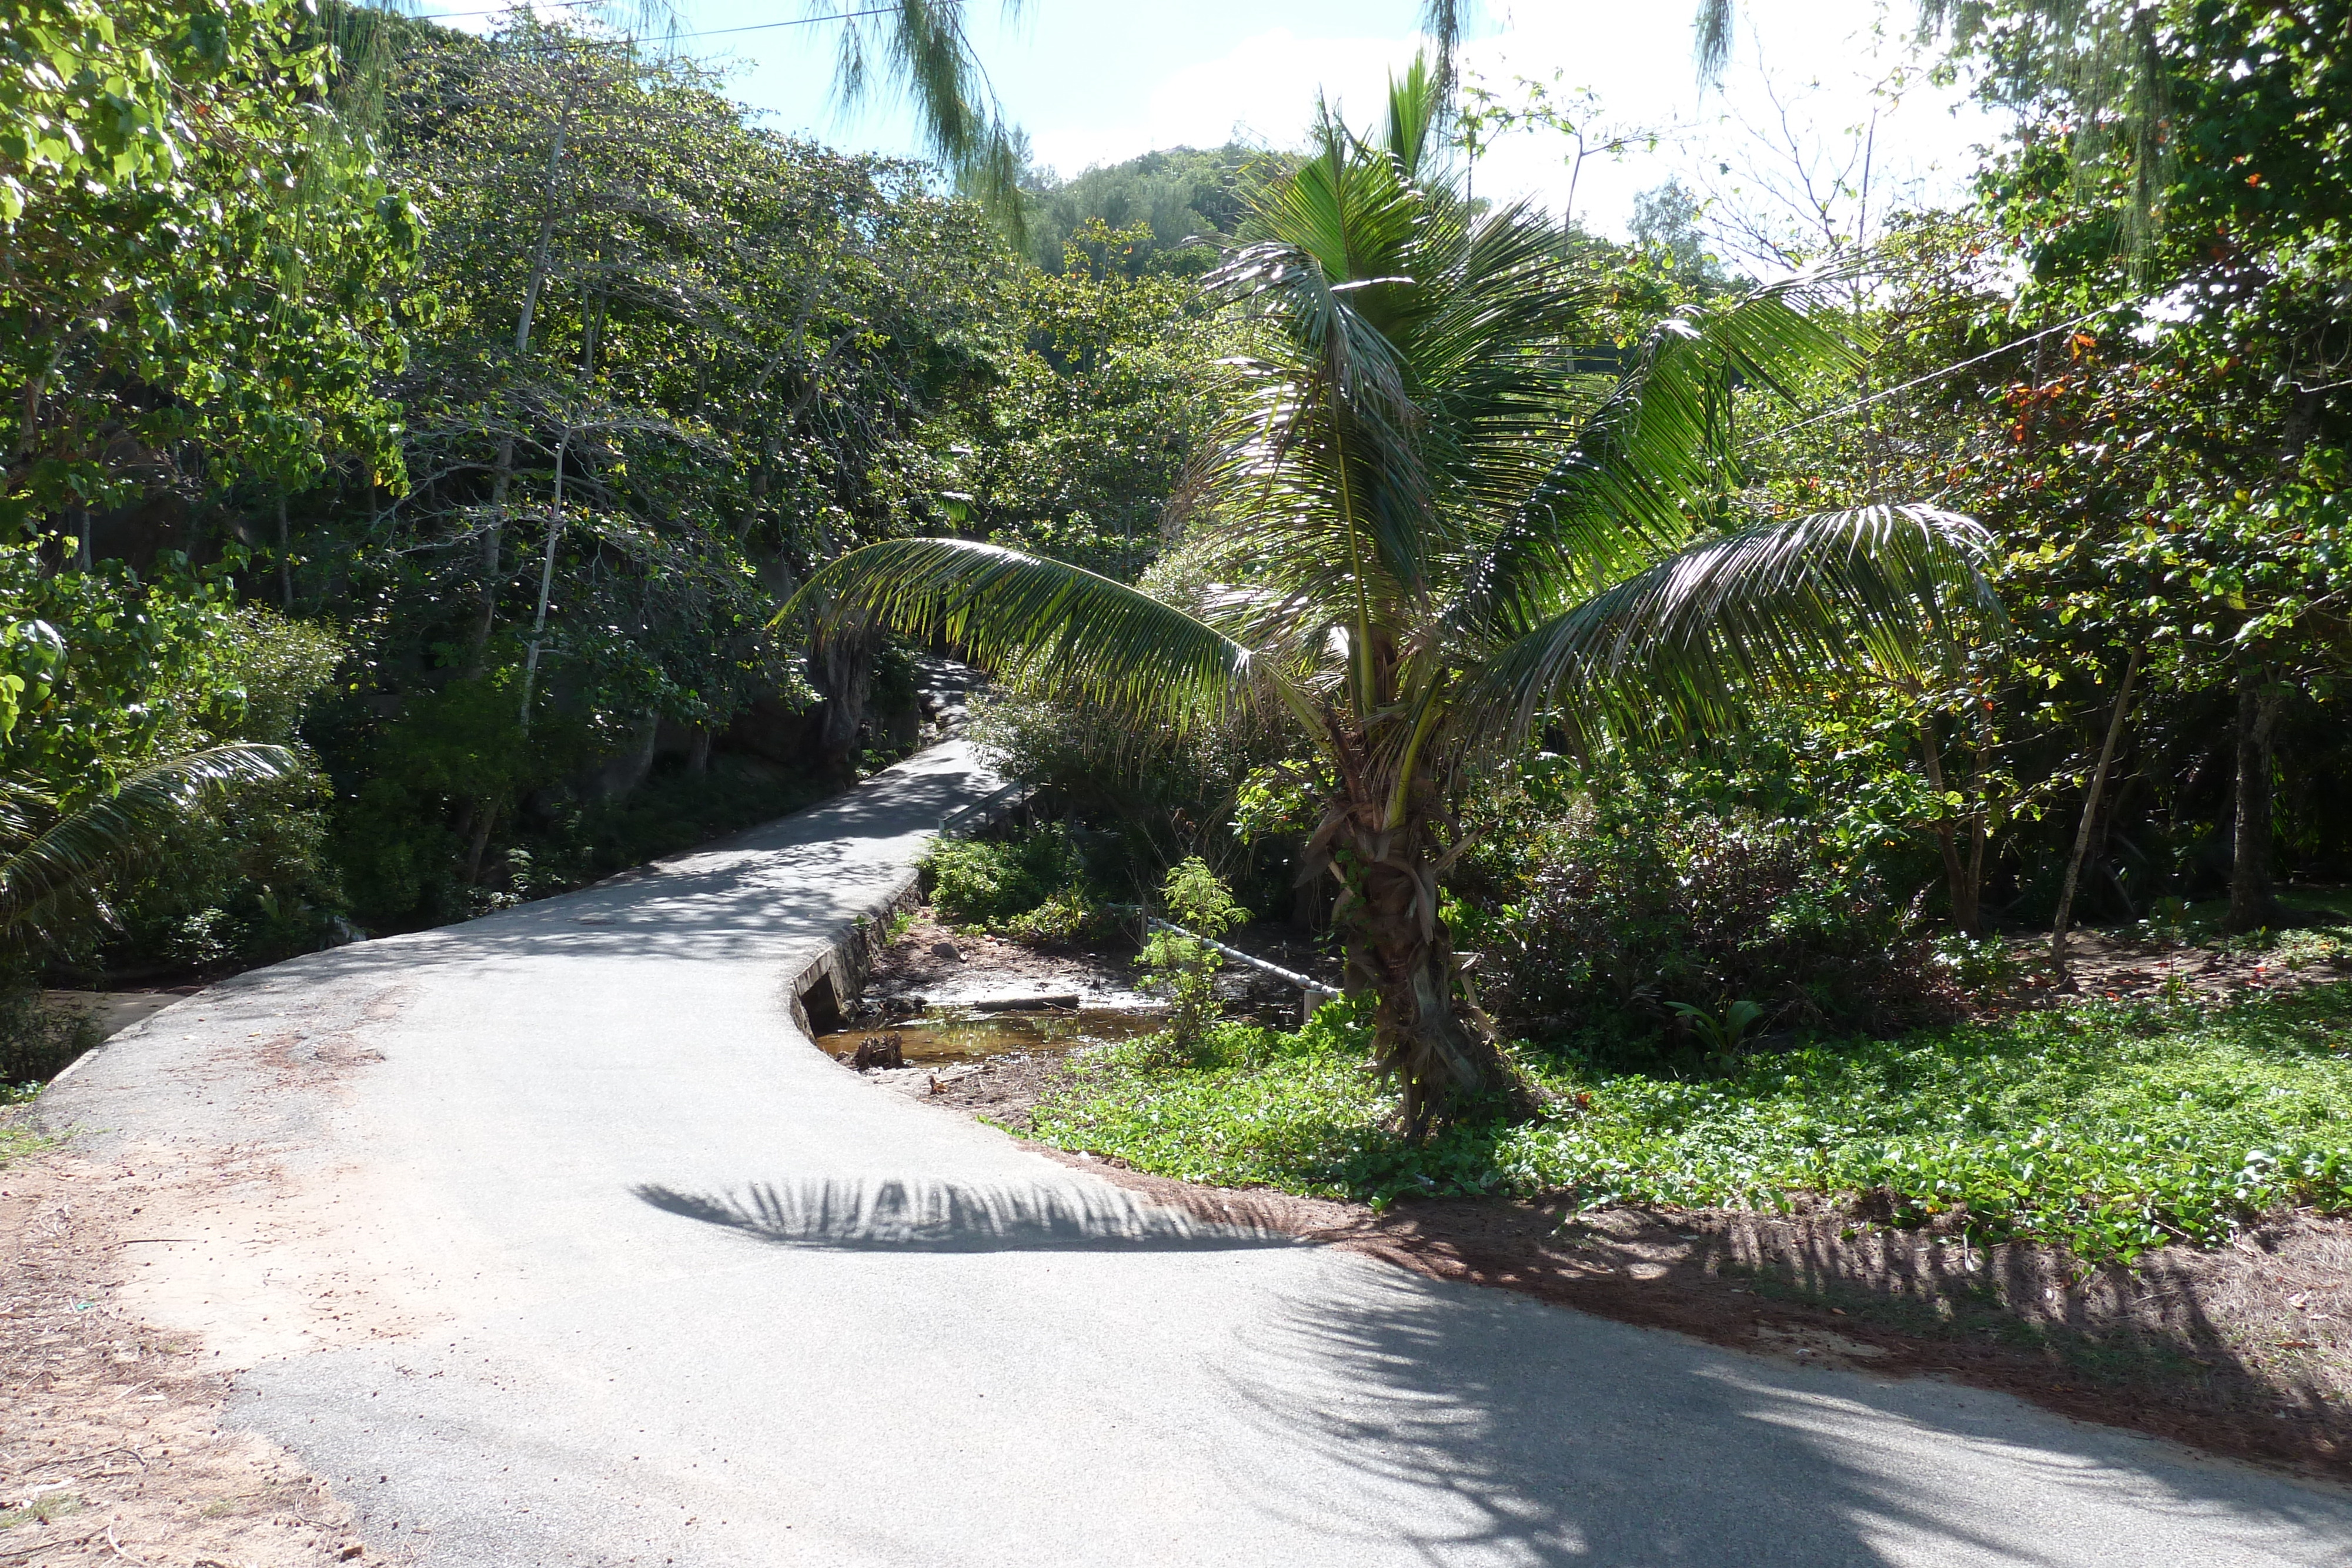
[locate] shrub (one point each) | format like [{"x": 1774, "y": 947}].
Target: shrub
[
  {"x": 1633, "y": 917},
  {"x": 1185, "y": 969},
  {"x": 38, "y": 1041},
  {"x": 992, "y": 883},
  {"x": 1152, "y": 796}
]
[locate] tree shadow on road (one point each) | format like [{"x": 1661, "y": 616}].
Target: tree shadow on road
[
  {"x": 1523, "y": 1434},
  {"x": 896, "y": 1215}
]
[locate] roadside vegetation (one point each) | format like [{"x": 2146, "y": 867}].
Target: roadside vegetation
[{"x": 2107, "y": 1129}]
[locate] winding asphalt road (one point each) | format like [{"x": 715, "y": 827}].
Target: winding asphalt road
[{"x": 549, "y": 1240}]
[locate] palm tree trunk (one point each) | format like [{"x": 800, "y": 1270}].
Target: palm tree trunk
[{"x": 1428, "y": 1035}]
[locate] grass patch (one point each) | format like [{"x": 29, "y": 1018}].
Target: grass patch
[
  {"x": 2109, "y": 1129},
  {"x": 18, "y": 1137},
  {"x": 41, "y": 1510}
]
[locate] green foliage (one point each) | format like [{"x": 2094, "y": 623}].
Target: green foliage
[
  {"x": 1720, "y": 1036},
  {"x": 991, "y": 884},
  {"x": 106, "y": 669},
  {"x": 1420, "y": 528},
  {"x": 194, "y": 259},
  {"x": 250, "y": 879},
  {"x": 137, "y": 704},
  {"x": 1665, "y": 220},
  {"x": 1181, "y": 965},
  {"x": 1637, "y": 904},
  {"x": 2110, "y": 1130},
  {"x": 36, "y": 1043},
  {"x": 1157, "y": 204},
  {"x": 1149, "y": 797},
  {"x": 1080, "y": 436}
]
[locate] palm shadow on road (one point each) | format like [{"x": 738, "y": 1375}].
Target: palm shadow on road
[
  {"x": 1514, "y": 1432},
  {"x": 896, "y": 1216}
]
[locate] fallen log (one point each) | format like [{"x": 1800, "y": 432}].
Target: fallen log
[{"x": 1066, "y": 1002}]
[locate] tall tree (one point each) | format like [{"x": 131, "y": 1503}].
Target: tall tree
[
  {"x": 1429, "y": 532},
  {"x": 193, "y": 268}
]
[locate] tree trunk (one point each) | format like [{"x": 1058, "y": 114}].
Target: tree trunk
[
  {"x": 1428, "y": 1035},
  {"x": 842, "y": 666},
  {"x": 697, "y": 751},
  {"x": 2254, "y": 904},
  {"x": 486, "y": 818},
  {"x": 1959, "y": 879},
  {"x": 493, "y": 554},
  {"x": 2090, "y": 815}
]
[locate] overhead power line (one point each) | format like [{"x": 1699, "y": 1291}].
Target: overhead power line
[
  {"x": 2067, "y": 326},
  {"x": 706, "y": 33},
  {"x": 1939, "y": 375}
]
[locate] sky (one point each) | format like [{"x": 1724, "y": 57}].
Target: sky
[{"x": 1096, "y": 83}]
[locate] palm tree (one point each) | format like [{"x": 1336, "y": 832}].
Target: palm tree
[
  {"x": 59, "y": 857},
  {"x": 1432, "y": 528}
]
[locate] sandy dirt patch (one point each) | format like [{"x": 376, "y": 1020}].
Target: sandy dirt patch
[{"x": 112, "y": 1443}]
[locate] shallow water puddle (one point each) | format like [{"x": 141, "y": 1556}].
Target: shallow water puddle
[{"x": 941, "y": 1036}]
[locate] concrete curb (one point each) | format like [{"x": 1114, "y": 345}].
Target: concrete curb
[{"x": 820, "y": 989}]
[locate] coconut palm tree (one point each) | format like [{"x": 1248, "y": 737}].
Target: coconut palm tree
[
  {"x": 59, "y": 857},
  {"x": 1428, "y": 526}
]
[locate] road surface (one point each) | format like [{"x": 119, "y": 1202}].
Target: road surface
[{"x": 548, "y": 1239}]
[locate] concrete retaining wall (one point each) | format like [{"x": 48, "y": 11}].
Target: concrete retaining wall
[{"x": 823, "y": 985}]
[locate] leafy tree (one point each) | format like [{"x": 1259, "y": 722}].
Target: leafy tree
[
  {"x": 121, "y": 718},
  {"x": 665, "y": 363},
  {"x": 1666, "y": 218},
  {"x": 1072, "y": 445},
  {"x": 1182, "y": 965},
  {"x": 192, "y": 268},
  {"x": 1425, "y": 533},
  {"x": 59, "y": 855}
]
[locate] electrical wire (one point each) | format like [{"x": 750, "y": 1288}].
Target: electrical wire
[
  {"x": 706, "y": 33},
  {"x": 1939, "y": 375},
  {"x": 2067, "y": 326},
  {"x": 500, "y": 11}
]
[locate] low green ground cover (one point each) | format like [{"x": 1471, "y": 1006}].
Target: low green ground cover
[
  {"x": 2111, "y": 1129},
  {"x": 16, "y": 1138}
]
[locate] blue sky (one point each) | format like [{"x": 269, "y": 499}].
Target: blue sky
[{"x": 1095, "y": 82}]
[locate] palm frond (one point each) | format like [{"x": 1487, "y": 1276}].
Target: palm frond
[
  {"x": 1045, "y": 624},
  {"x": 1711, "y": 40},
  {"x": 919, "y": 47},
  {"x": 1677, "y": 646},
  {"x": 1649, "y": 460},
  {"x": 1415, "y": 105},
  {"x": 59, "y": 873}
]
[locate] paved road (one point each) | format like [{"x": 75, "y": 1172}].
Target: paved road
[{"x": 549, "y": 1240}]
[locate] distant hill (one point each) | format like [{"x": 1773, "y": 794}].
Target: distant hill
[{"x": 1181, "y": 192}]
